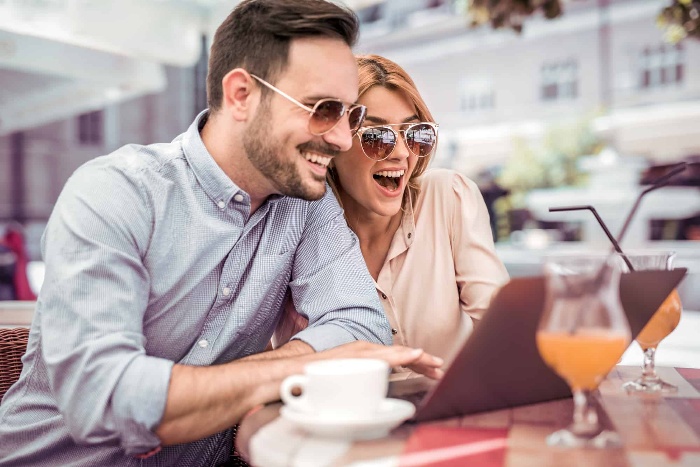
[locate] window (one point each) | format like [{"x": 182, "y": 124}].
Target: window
[
  {"x": 436, "y": 3},
  {"x": 91, "y": 128},
  {"x": 476, "y": 96},
  {"x": 661, "y": 66},
  {"x": 370, "y": 14},
  {"x": 559, "y": 80}
]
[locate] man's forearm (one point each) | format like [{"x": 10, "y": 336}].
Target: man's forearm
[
  {"x": 206, "y": 400},
  {"x": 293, "y": 348}
]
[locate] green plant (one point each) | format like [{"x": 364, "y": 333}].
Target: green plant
[{"x": 551, "y": 163}]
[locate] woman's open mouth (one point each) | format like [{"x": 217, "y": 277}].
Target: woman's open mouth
[{"x": 389, "y": 179}]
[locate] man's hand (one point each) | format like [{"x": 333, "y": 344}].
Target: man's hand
[
  {"x": 205, "y": 400},
  {"x": 395, "y": 355}
]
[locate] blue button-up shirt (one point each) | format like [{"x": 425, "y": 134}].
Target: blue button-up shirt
[{"x": 152, "y": 258}]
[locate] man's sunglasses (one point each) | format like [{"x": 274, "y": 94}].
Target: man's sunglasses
[
  {"x": 378, "y": 142},
  {"x": 326, "y": 113}
]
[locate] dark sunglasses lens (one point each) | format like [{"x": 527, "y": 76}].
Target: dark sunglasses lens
[
  {"x": 326, "y": 115},
  {"x": 378, "y": 142},
  {"x": 356, "y": 117},
  {"x": 420, "y": 139}
]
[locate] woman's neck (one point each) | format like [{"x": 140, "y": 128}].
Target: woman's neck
[{"x": 374, "y": 231}]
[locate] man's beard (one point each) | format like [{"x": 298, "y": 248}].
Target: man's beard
[{"x": 266, "y": 156}]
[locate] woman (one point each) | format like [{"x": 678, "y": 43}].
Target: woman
[{"x": 425, "y": 236}]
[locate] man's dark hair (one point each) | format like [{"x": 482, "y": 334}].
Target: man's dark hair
[{"x": 257, "y": 33}]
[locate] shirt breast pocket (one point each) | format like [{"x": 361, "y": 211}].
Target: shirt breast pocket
[{"x": 271, "y": 269}]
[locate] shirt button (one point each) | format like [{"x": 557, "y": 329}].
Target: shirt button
[
  {"x": 226, "y": 291},
  {"x": 238, "y": 197},
  {"x": 221, "y": 204},
  {"x": 384, "y": 296},
  {"x": 409, "y": 235},
  {"x": 394, "y": 332},
  {"x": 203, "y": 343}
]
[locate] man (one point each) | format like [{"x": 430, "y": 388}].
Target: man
[{"x": 166, "y": 263}]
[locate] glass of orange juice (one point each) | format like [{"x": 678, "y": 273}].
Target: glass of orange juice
[
  {"x": 662, "y": 323},
  {"x": 582, "y": 334}
]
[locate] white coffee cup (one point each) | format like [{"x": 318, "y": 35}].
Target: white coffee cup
[{"x": 351, "y": 388}]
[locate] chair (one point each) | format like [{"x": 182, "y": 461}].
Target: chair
[{"x": 13, "y": 344}]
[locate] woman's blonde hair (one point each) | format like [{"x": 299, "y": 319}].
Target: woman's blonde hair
[{"x": 374, "y": 71}]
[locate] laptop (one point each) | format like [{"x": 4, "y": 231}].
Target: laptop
[{"x": 499, "y": 365}]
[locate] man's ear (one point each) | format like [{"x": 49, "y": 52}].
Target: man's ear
[{"x": 240, "y": 94}]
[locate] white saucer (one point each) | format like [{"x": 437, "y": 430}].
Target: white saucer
[{"x": 391, "y": 413}]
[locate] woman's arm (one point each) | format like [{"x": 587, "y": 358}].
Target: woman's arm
[{"x": 478, "y": 270}]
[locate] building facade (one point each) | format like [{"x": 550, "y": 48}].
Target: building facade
[
  {"x": 35, "y": 163},
  {"x": 602, "y": 61}
]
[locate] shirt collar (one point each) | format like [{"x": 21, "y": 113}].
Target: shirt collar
[{"x": 216, "y": 184}]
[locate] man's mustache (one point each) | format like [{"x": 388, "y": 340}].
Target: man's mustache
[{"x": 319, "y": 148}]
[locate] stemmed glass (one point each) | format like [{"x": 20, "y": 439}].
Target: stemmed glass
[
  {"x": 668, "y": 315},
  {"x": 582, "y": 334},
  {"x": 662, "y": 323}
]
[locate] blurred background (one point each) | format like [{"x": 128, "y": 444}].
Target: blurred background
[{"x": 543, "y": 103}]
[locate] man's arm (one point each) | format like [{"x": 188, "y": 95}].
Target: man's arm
[
  {"x": 91, "y": 309},
  {"x": 205, "y": 400},
  {"x": 331, "y": 285},
  {"x": 290, "y": 349}
]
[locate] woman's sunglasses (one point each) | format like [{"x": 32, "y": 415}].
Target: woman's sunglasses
[
  {"x": 378, "y": 142},
  {"x": 326, "y": 113}
]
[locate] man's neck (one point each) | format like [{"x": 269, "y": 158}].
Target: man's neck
[{"x": 226, "y": 148}]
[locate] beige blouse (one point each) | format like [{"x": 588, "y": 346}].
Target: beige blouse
[{"x": 441, "y": 270}]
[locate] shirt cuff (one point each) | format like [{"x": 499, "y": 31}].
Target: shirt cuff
[
  {"x": 139, "y": 402},
  {"x": 325, "y": 337}
]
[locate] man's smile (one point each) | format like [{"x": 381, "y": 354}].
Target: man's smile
[{"x": 316, "y": 158}]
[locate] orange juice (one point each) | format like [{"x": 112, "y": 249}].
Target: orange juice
[
  {"x": 584, "y": 357},
  {"x": 663, "y": 322}
]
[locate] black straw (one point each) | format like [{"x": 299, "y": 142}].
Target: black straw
[
  {"x": 597, "y": 281},
  {"x": 602, "y": 225},
  {"x": 661, "y": 182}
]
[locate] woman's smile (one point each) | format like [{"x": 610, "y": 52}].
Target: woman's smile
[{"x": 390, "y": 180}]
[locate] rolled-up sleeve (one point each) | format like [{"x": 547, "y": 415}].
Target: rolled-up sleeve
[
  {"x": 91, "y": 312},
  {"x": 331, "y": 285}
]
